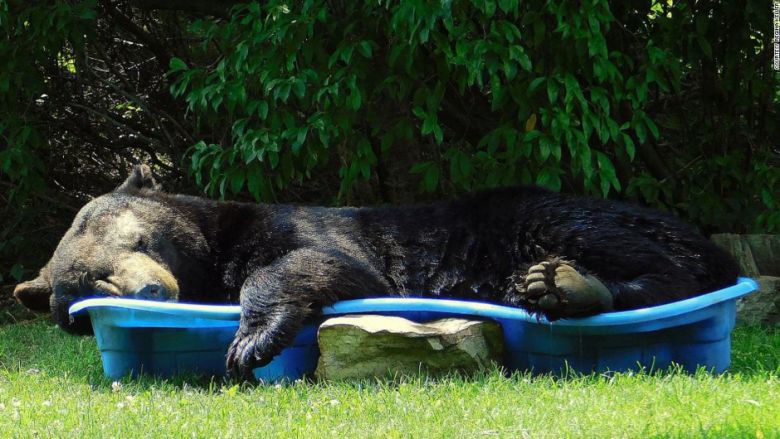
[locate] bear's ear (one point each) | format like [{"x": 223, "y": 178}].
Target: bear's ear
[
  {"x": 140, "y": 178},
  {"x": 34, "y": 294}
]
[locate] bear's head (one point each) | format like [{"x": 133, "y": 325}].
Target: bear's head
[{"x": 132, "y": 242}]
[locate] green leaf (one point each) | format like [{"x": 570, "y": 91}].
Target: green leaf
[
  {"x": 641, "y": 134},
  {"x": 365, "y": 49},
  {"x": 254, "y": 182},
  {"x": 237, "y": 181},
  {"x": 490, "y": 7},
  {"x": 614, "y": 130},
  {"x": 555, "y": 149},
  {"x": 630, "y": 147},
  {"x": 365, "y": 170},
  {"x": 517, "y": 53},
  {"x": 607, "y": 173},
  {"x": 299, "y": 88},
  {"x": 354, "y": 99},
  {"x": 438, "y": 134},
  {"x": 552, "y": 90},
  {"x": 324, "y": 137},
  {"x": 544, "y": 148},
  {"x": 604, "y": 185},
  {"x": 420, "y": 167},
  {"x": 465, "y": 166},
  {"x": 549, "y": 178},
  {"x": 222, "y": 184},
  {"x": 431, "y": 179},
  {"x": 177, "y": 65},
  {"x": 535, "y": 84},
  {"x": 282, "y": 92},
  {"x": 429, "y": 123},
  {"x": 262, "y": 109},
  {"x": 507, "y": 5},
  {"x": 273, "y": 159},
  {"x": 346, "y": 54},
  {"x": 300, "y": 138},
  {"x": 531, "y": 135},
  {"x": 652, "y": 127}
]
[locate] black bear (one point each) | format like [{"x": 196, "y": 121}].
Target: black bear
[{"x": 552, "y": 254}]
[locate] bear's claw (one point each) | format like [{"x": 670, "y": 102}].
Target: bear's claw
[
  {"x": 557, "y": 290},
  {"x": 243, "y": 356}
]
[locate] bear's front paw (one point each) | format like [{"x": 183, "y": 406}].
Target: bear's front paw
[
  {"x": 556, "y": 290},
  {"x": 246, "y": 353}
]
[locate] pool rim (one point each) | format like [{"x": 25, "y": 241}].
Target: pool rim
[{"x": 187, "y": 311}]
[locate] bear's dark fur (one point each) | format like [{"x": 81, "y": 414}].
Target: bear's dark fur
[{"x": 553, "y": 254}]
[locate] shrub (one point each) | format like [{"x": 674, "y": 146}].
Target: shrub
[{"x": 560, "y": 94}]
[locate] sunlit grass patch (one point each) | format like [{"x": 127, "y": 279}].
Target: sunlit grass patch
[{"x": 51, "y": 385}]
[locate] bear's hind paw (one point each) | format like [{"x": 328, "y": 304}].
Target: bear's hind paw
[{"x": 557, "y": 290}]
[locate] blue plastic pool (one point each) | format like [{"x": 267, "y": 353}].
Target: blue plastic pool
[{"x": 140, "y": 336}]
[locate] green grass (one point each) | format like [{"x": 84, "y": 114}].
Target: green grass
[{"x": 51, "y": 385}]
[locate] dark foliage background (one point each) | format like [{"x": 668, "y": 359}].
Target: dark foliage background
[{"x": 672, "y": 104}]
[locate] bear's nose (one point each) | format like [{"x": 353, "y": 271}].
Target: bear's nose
[{"x": 152, "y": 292}]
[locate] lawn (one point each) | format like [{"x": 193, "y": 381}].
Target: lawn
[{"x": 51, "y": 385}]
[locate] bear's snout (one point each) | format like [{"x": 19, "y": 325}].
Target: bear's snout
[{"x": 139, "y": 276}]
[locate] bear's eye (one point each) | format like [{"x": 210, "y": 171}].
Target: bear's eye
[{"x": 140, "y": 245}]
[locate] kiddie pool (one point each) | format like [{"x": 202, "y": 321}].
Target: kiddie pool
[{"x": 161, "y": 338}]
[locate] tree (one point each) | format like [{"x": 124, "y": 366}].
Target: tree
[{"x": 667, "y": 104}]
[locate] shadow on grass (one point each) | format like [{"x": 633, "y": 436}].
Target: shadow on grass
[
  {"x": 755, "y": 351},
  {"x": 12, "y": 312},
  {"x": 39, "y": 347}
]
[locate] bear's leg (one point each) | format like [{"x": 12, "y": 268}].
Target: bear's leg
[
  {"x": 557, "y": 289},
  {"x": 654, "y": 289},
  {"x": 277, "y": 300}
]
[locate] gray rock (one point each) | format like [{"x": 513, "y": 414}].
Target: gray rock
[
  {"x": 736, "y": 245},
  {"x": 766, "y": 253},
  {"x": 364, "y": 346},
  {"x": 758, "y": 257},
  {"x": 763, "y": 306}
]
